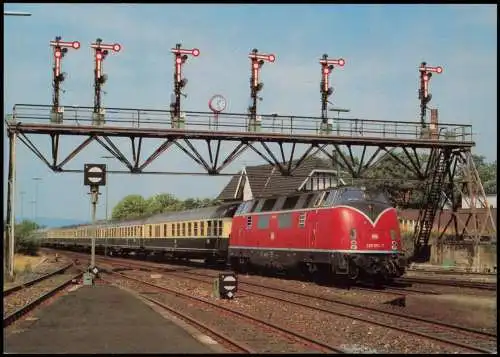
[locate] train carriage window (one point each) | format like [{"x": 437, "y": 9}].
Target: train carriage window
[
  {"x": 263, "y": 222},
  {"x": 268, "y": 204},
  {"x": 202, "y": 229},
  {"x": 220, "y": 228},
  {"x": 183, "y": 229},
  {"x": 302, "y": 220},
  {"x": 249, "y": 222},
  {"x": 195, "y": 229},
  {"x": 209, "y": 228},
  {"x": 290, "y": 202},
  {"x": 284, "y": 220}
]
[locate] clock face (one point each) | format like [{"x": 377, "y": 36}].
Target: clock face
[{"x": 218, "y": 103}]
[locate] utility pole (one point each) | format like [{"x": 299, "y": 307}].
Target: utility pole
[{"x": 37, "y": 180}]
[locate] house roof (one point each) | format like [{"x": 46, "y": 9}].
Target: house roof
[{"x": 266, "y": 180}]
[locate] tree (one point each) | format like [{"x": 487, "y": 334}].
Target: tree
[
  {"x": 25, "y": 242},
  {"x": 487, "y": 172},
  {"x": 130, "y": 207},
  {"x": 163, "y": 202}
]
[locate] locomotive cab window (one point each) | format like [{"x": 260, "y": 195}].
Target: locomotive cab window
[
  {"x": 290, "y": 202},
  {"x": 268, "y": 204}
]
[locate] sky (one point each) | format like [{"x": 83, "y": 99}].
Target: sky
[{"x": 383, "y": 46}]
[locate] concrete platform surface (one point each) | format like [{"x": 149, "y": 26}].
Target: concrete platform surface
[{"x": 100, "y": 319}]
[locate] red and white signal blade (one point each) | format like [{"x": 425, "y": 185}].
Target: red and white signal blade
[
  {"x": 338, "y": 62},
  {"x": 195, "y": 52},
  {"x": 73, "y": 44},
  {"x": 438, "y": 69},
  {"x": 263, "y": 56},
  {"x": 114, "y": 47}
]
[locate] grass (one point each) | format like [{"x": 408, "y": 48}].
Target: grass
[{"x": 23, "y": 264}]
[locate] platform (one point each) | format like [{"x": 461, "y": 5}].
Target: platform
[{"x": 102, "y": 319}]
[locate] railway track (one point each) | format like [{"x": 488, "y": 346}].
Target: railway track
[
  {"x": 450, "y": 282},
  {"x": 466, "y": 338},
  {"x": 48, "y": 291},
  {"x": 306, "y": 342},
  {"x": 15, "y": 288}
]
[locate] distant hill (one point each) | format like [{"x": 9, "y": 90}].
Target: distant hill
[{"x": 55, "y": 222}]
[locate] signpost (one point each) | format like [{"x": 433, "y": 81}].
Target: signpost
[
  {"x": 423, "y": 93},
  {"x": 327, "y": 66},
  {"x": 181, "y": 56},
  {"x": 94, "y": 176},
  {"x": 60, "y": 49},
  {"x": 101, "y": 50},
  {"x": 257, "y": 59},
  {"x": 226, "y": 285}
]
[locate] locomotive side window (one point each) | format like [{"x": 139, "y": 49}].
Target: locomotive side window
[
  {"x": 290, "y": 202},
  {"x": 268, "y": 204},
  {"x": 284, "y": 220},
  {"x": 249, "y": 222},
  {"x": 263, "y": 222},
  {"x": 302, "y": 220}
]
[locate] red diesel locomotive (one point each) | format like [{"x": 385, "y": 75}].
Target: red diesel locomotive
[{"x": 346, "y": 231}]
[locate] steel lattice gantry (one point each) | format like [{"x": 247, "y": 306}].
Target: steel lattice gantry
[{"x": 448, "y": 147}]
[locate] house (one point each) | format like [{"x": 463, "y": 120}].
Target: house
[{"x": 313, "y": 173}]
